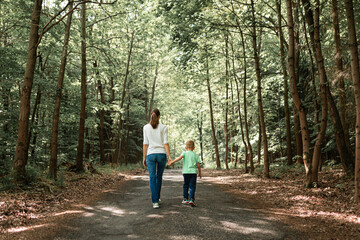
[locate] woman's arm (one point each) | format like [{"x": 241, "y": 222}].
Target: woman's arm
[
  {"x": 199, "y": 169},
  {"x": 167, "y": 149},
  {"x": 145, "y": 148}
]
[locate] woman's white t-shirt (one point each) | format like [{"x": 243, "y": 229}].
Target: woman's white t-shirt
[{"x": 155, "y": 138}]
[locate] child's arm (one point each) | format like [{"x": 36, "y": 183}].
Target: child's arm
[
  {"x": 199, "y": 169},
  {"x": 176, "y": 160}
]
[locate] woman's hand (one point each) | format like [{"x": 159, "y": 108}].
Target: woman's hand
[
  {"x": 170, "y": 162},
  {"x": 144, "y": 162}
]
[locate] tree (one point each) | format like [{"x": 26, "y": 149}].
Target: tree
[
  {"x": 21, "y": 152},
  {"x": 80, "y": 149},
  {"x": 295, "y": 95},
  {"x": 260, "y": 104},
  {"x": 355, "y": 74},
  {"x": 59, "y": 88},
  {"x": 286, "y": 101}
]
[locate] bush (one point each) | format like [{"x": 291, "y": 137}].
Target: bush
[
  {"x": 32, "y": 174},
  {"x": 7, "y": 182}
]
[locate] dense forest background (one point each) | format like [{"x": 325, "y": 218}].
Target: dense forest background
[{"x": 256, "y": 84}]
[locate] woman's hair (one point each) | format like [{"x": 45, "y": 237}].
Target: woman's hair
[
  {"x": 154, "y": 118},
  {"x": 190, "y": 144}
]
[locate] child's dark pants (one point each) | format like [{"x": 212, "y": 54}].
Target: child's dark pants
[{"x": 189, "y": 186}]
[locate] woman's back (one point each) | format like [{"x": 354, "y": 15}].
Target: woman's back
[{"x": 155, "y": 138}]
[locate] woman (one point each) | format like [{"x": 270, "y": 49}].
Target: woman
[{"x": 155, "y": 148}]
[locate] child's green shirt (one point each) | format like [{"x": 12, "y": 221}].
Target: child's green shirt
[{"x": 190, "y": 160}]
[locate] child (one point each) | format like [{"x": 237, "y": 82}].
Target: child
[{"x": 191, "y": 164}]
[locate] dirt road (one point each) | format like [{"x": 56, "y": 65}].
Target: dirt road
[{"x": 127, "y": 213}]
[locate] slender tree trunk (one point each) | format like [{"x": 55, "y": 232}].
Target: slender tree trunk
[
  {"x": 80, "y": 150},
  {"x": 247, "y": 155},
  {"x": 34, "y": 123},
  {"x": 260, "y": 105},
  {"x": 286, "y": 98},
  {"x": 250, "y": 151},
  {"x": 153, "y": 91},
  {"x": 199, "y": 125},
  {"x": 298, "y": 141},
  {"x": 102, "y": 120},
  {"x": 339, "y": 120},
  {"x": 323, "y": 93},
  {"x": 340, "y": 70},
  {"x": 296, "y": 97},
  {"x": 6, "y": 103},
  {"x": 259, "y": 142},
  {"x": 146, "y": 101},
  {"x": 355, "y": 74},
  {"x": 215, "y": 143},
  {"x": 21, "y": 152},
  {"x": 227, "y": 101},
  {"x": 56, "y": 115},
  {"x": 310, "y": 46}
]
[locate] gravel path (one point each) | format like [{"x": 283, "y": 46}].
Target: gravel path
[{"x": 127, "y": 213}]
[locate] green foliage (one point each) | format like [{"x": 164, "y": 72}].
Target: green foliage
[{"x": 7, "y": 183}]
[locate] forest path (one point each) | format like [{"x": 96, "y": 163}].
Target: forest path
[{"x": 127, "y": 213}]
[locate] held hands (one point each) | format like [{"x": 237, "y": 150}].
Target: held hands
[{"x": 170, "y": 162}]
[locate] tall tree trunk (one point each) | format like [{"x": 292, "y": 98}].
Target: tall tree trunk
[
  {"x": 21, "y": 152},
  {"x": 227, "y": 101},
  {"x": 286, "y": 97},
  {"x": 102, "y": 119},
  {"x": 80, "y": 150},
  {"x": 199, "y": 125},
  {"x": 34, "y": 123},
  {"x": 260, "y": 105},
  {"x": 215, "y": 143},
  {"x": 298, "y": 141},
  {"x": 247, "y": 155},
  {"x": 6, "y": 103},
  {"x": 296, "y": 98},
  {"x": 340, "y": 70},
  {"x": 56, "y": 115},
  {"x": 339, "y": 120},
  {"x": 241, "y": 125},
  {"x": 250, "y": 151},
  {"x": 311, "y": 48},
  {"x": 259, "y": 142},
  {"x": 153, "y": 91},
  {"x": 146, "y": 96},
  {"x": 355, "y": 74},
  {"x": 323, "y": 93}
]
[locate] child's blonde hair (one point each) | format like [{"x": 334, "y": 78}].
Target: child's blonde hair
[{"x": 190, "y": 144}]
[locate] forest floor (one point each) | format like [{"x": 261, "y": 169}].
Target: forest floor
[{"x": 326, "y": 212}]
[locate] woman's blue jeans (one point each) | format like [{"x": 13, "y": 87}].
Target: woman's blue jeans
[
  {"x": 189, "y": 186},
  {"x": 156, "y": 164}
]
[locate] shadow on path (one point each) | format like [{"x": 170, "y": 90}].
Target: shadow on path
[{"x": 128, "y": 214}]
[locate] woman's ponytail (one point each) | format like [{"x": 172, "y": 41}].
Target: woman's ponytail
[{"x": 154, "y": 118}]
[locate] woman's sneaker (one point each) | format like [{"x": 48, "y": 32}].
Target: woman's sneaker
[
  {"x": 191, "y": 202},
  {"x": 185, "y": 201},
  {"x": 156, "y": 205}
]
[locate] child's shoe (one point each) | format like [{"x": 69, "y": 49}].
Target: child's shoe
[
  {"x": 185, "y": 201},
  {"x": 156, "y": 205},
  {"x": 191, "y": 202}
]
